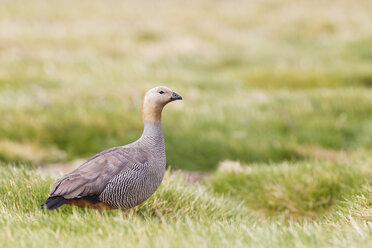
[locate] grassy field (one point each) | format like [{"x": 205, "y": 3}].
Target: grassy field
[
  {"x": 182, "y": 214},
  {"x": 277, "y": 111}
]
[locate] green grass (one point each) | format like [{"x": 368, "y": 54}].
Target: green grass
[
  {"x": 295, "y": 190},
  {"x": 256, "y": 87},
  {"x": 181, "y": 214},
  {"x": 282, "y": 86}
]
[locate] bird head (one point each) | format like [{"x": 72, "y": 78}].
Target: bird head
[{"x": 154, "y": 101}]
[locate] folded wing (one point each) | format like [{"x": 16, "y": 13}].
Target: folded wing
[{"x": 92, "y": 177}]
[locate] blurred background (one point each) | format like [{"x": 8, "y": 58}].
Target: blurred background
[{"x": 262, "y": 81}]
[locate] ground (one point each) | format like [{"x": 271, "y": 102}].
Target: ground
[{"x": 274, "y": 129}]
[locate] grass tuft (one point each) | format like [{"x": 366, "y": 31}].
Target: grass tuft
[{"x": 294, "y": 190}]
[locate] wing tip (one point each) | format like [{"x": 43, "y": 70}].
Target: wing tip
[{"x": 53, "y": 202}]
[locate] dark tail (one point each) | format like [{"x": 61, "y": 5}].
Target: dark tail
[{"x": 53, "y": 202}]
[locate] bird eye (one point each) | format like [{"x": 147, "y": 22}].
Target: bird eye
[{"x": 161, "y": 92}]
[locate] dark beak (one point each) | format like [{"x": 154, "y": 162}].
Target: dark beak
[{"x": 175, "y": 96}]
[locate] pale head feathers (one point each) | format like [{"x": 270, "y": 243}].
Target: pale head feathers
[{"x": 154, "y": 101}]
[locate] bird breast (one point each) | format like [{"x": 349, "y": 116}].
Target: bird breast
[{"x": 133, "y": 186}]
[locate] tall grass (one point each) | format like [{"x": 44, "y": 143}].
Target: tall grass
[{"x": 181, "y": 214}]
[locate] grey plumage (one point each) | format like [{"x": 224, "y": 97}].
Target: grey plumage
[
  {"x": 124, "y": 176},
  {"x": 142, "y": 178}
]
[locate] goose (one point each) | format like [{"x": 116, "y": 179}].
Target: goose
[{"x": 120, "y": 177}]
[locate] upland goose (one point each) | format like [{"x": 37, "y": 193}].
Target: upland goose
[{"x": 121, "y": 177}]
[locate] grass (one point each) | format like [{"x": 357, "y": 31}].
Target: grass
[
  {"x": 282, "y": 86},
  {"x": 256, "y": 87},
  {"x": 294, "y": 190},
  {"x": 181, "y": 214}
]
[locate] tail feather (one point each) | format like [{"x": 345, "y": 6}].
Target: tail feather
[{"x": 53, "y": 202}]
